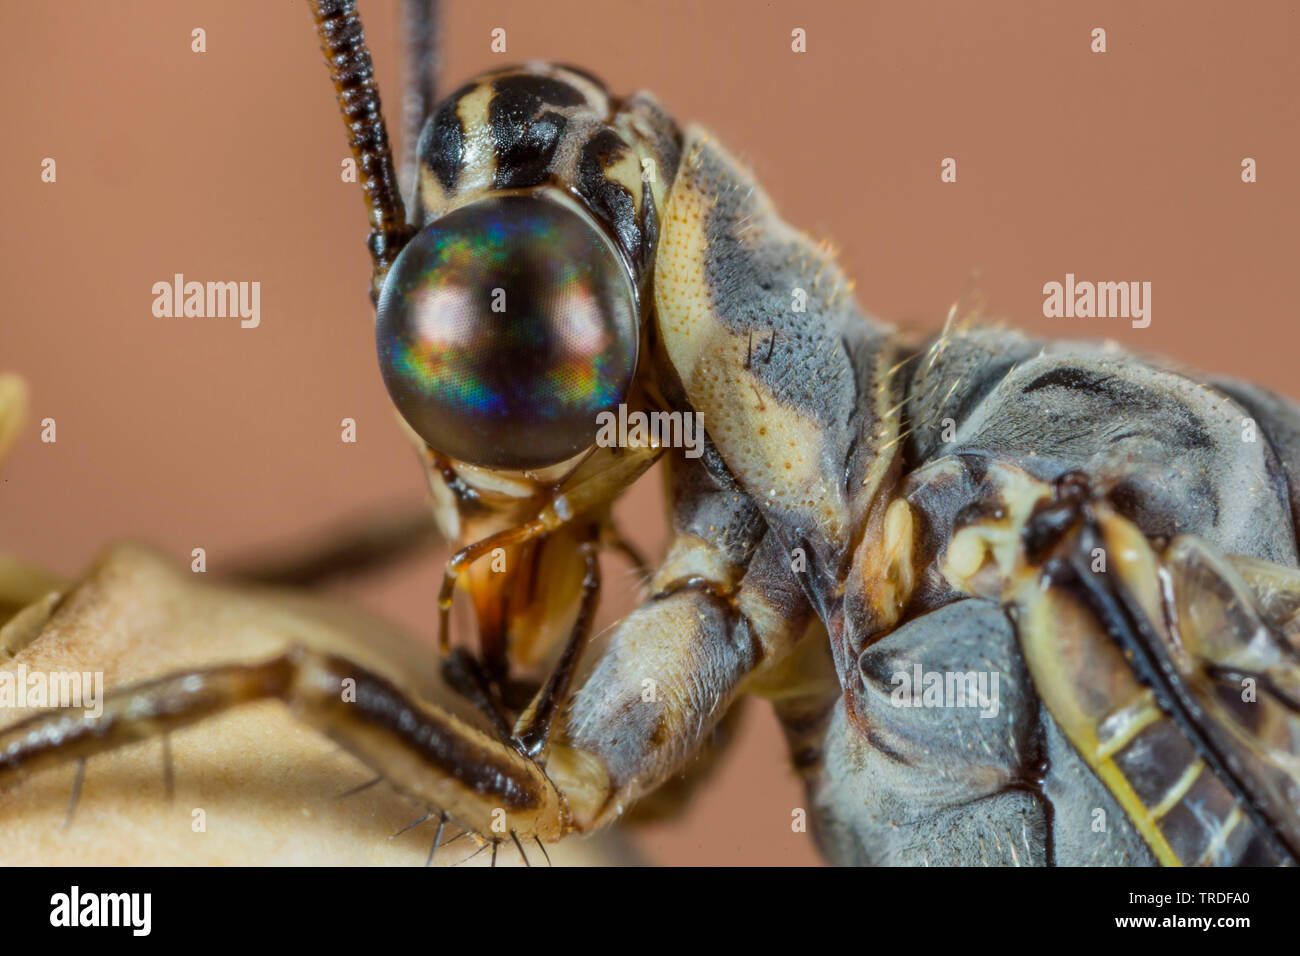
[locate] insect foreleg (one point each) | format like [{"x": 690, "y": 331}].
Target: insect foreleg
[
  {"x": 670, "y": 672},
  {"x": 724, "y": 607},
  {"x": 533, "y": 730},
  {"x": 482, "y": 783},
  {"x": 584, "y": 493}
]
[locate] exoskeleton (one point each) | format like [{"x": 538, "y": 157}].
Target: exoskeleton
[{"x": 1014, "y": 602}]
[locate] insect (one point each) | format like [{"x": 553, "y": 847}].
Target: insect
[{"x": 989, "y": 641}]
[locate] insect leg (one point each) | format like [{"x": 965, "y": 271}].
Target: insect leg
[
  {"x": 725, "y": 609},
  {"x": 509, "y": 538},
  {"x": 793, "y": 380},
  {"x": 671, "y": 670},
  {"x": 587, "y": 490},
  {"x": 533, "y": 731},
  {"x": 466, "y": 675},
  {"x": 419, "y": 749}
]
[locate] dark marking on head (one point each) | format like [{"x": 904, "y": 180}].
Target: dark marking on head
[
  {"x": 442, "y": 145},
  {"x": 649, "y": 227},
  {"x": 611, "y": 200},
  {"x": 531, "y": 91},
  {"x": 524, "y": 133}
]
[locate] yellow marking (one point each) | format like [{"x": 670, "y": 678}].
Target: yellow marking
[
  {"x": 1140, "y": 717},
  {"x": 478, "y": 150},
  {"x": 1047, "y": 667},
  {"x": 1178, "y": 790},
  {"x": 1132, "y": 557},
  {"x": 626, "y": 172},
  {"x": 774, "y": 445},
  {"x": 998, "y": 538},
  {"x": 1220, "y": 839},
  {"x": 885, "y": 564},
  {"x": 478, "y": 155}
]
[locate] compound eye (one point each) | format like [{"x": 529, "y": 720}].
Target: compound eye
[{"x": 505, "y": 328}]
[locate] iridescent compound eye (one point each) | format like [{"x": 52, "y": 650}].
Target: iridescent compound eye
[{"x": 505, "y": 328}]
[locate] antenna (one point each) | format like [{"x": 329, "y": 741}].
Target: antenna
[
  {"x": 422, "y": 62},
  {"x": 343, "y": 41}
]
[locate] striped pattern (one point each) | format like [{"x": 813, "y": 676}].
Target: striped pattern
[{"x": 543, "y": 126}]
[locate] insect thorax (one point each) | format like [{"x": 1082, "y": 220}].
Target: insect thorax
[{"x": 547, "y": 126}]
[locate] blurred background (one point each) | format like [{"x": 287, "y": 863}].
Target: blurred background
[{"x": 225, "y": 166}]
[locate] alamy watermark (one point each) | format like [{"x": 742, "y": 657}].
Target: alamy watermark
[
  {"x": 133, "y": 911},
  {"x": 922, "y": 688},
  {"x": 651, "y": 429},
  {"x": 23, "y": 688},
  {"x": 208, "y": 300},
  {"x": 1102, "y": 300}
]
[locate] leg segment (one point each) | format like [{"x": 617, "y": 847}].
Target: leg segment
[
  {"x": 582, "y": 495},
  {"x": 725, "y": 612},
  {"x": 669, "y": 674},
  {"x": 533, "y": 732},
  {"x": 415, "y": 746},
  {"x": 725, "y": 607}
]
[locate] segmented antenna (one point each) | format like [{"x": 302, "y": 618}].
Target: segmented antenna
[
  {"x": 421, "y": 23},
  {"x": 343, "y": 42}
]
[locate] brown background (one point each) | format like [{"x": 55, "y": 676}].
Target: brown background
[{"x": 225, "y": 166}]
